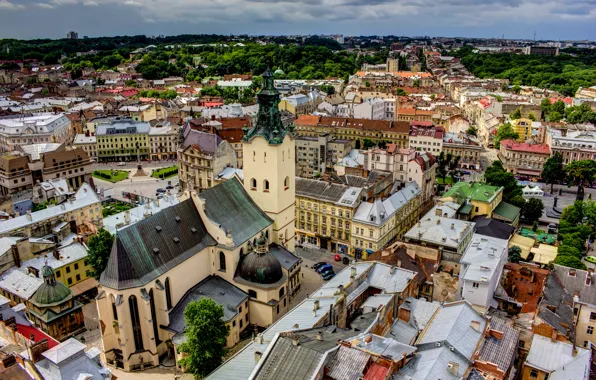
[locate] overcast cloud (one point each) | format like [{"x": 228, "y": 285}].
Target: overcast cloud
[{"x": 551, "y": 19}]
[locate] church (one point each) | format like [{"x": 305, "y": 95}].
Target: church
[{"x": 233, "y": 243}]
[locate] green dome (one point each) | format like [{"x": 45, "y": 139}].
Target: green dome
[
  {"x": 279, "y": 72},
  {"x": 51, "y": 292},
  {"x": 47, "y": 271}
]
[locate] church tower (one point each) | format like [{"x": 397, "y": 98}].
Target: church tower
[{"x": 270, "y": 166}]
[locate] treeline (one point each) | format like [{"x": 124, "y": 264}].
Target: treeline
[{"x": 564, "y": 73}]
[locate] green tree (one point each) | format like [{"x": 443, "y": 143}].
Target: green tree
[
  {"x": 515, "y": 254},
  {"x": 328, "y": 89},
  {"x": 570, "y": 261},
  {"x": 531, "y": 116},
  {"x": 581, "y": 172},
  {"x": 496, "y": 175},
  {"x": 533, "y": 209},
  {"x": 505, "y": 132},
  {"x": 516, "y": 114},
  {"x": 446, "y": 165},
  {"x": 516, "y": 89},
  {"x": 558, "y": 106},
  {"x": 206, "y": 334},
  {"x": 99, "y": 247},
  {"x": 553, "y": 171},
  {"x": 400, "y": 92},
  {"x": 555, "y": 116},
  {"x": 545, "y": 107},
  {"x": 472, "y": 131},
  {"x": 368, "y": 143}
]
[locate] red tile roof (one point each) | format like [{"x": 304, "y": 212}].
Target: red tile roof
[
  {"x": 38, "y": 335},
  {"x": 525, "y": 147},
  {"x": 376, "y": 372},
  {"x": 307, "y": 120}
]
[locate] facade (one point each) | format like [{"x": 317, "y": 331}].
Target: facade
[
  {"x": 72, "y": 165},
  {"x": 523, "y": 127},
  {"x": 145, "y": 112},
  {"x": 317, "y": 155},
  {"x": 466, "y": 147},
  {"x": 422, "y": 169},
  {"x": 87, "y": 143},
  {"x": 300, "y": 104},
  {"x": 15, "y": 175},
  {"x": 371, "y": 109},
  {"x": 324, "y": 214},
  {"x": 163, "y": 141},
  {"x": 202, "y": 157},
  {"x": 425, "y": 137},
  {"x": 234, "y": 232},
  {"x": 391, "y": 159},
  {"x": 379, "y": 223},
  {"x": 413, "y": 114},
  {"x": 122, "y": 139},
  {"x": 483, "y": 198},
  {"x": 33, "y": 129},
  {"x": 574, "y": 145},
  {"x": 523, "y": 158}
]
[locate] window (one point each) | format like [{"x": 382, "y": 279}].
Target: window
[
  {"x": 534, "y": 374},
  {"x": 277, "y": 309},
  {"x": 78, "y": 277},
  {"x": 136, "y": 323},
  {"x": 252, "y": 293},
  {"x": 168, "y": 294},
  {"x": 253, "y": 184},
  {"x": 282, "y": 292},
  {"x": 69, "y": 280},
  {"x": 476, "y": 209},
  {"x": 592, "y": 316},
  {"x": 233, "y": 323},
  {"x": 222, "y": 261},
  {"x": 153, "y": 317},
  {"x": 76, "y": 266},
  {"x": 58, "y": 274},
  {"x": 266, "y": 186},
  {"x": 590, "y": 330},
  {"x": 114, "y": 310},
  {"x": 68, "y": 269},
  {"x": 287, "y": 183},
  {"x": 475, "y": 285},
  {"x": 241, "y": 323},
  {"x": 246, "y": 317}
]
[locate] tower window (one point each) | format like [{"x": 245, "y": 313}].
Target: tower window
[
  {"x": 222, "y": 261},
  {"x": 253, "y": 184},
  {"x": 266, "y": 186},
  {"x": 287, "y": 183},
  {"x": 264, "y": 156}
]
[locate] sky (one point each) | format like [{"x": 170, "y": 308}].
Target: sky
[{"x": 550, "y": 19}]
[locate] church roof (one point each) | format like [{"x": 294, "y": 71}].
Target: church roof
[
  {"x": 229, "y": 205},
  {"x": 148, "y": 249}
]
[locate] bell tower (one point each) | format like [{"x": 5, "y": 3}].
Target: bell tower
[{"x": 270, "y": 166}]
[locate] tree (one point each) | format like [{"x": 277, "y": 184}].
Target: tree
[
  {"x": 446, "y": 165},
  {"x": 516, "y": 89},
  {"x": 555, "y": 116},
  {"x": 581, "y": 173},
  {"x": 368, "y": 143},
  {"x": 328, "y": 89},
  {"x": 472, "y": 131},
  {"x": 99, "y": 247},
  {"x": 505, "y": 132},
  {"x": 400, "y": 92},
  {"x": 367, "y": 84},
  {"x": 206, "y": 334},
  {"x": 531, "y": 116},
  {"x": 553, "y": 171},
  {"x": 533, "y": 209},
  {"x": 570, "y": 261},
  {"x": 516, "y": 114},
  {"x": 558, "y": 106},
  {"x": 496, "y": 175},
  {"x": 515, "y": 254},
  {"x": 545, "y": 107}
]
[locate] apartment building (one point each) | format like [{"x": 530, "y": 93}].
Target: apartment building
[
  {"x": 87, "y": 143},
  {"x": 376, "y": 224},
  {"x": 324, "y": 214},
  {"x": 413, "y": 114},
  {"x": 300, "y": 104},
  {"x": 73, "y": 165},
  {"x": 523, "y": 127},
  {"x": 317, "y": 155},
  {"x": 373, "y": 109},
  {"x": 465, "y": 146},
  {"x": 122, "y": 139},
  {"x": 163, "y": 141},
  {"x": 422, "y": 169},
  {"x": 16, "y": 130},
  {"x": 572, "y": 144},
  {"x": 426, "y": 137},
  {"x": 523, "y": 158},
  {"x": 15, "y": 175},
  {"x": 356, "y": 130},
  {"x": 391, "y": 159}
]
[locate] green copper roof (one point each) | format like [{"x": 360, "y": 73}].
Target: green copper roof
[
  {"x": 475, "y": 191},
  {"x": 506, "y": 211},
  {"x": 51, "y": 293},
  {"x": 269, "y": 124}
]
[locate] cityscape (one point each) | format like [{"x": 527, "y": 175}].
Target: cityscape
[{"x": 320, "y": 206}]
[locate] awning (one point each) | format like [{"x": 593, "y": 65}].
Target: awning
[
  {"x": 84, "y": 286},
  {"x": 529, "y": 172},
  {"x": 306, "y": 233}
]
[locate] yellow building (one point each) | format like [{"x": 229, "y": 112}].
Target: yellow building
[
  {"x": 145, "y": 112},
  {"x": 523, "y": 127},
  {"x": 122, "y": 139},
  {"x": 324, "y": 214},
  {"x": 380, "y": 223},
  {"x": 482, "y": 197}
]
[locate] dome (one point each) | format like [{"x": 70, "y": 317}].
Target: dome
[
  {"x": 260, "y": 268},
  {"x": 279, "y": 72},
  {"x": 51, "y": 292}
]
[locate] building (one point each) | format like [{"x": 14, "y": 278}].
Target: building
[
  {"x": 72, "y": 35},
  {"x": 476, "y": 198},
  {"x": 87, "y": 143},
  {"x": 550, "y": 359},
  {"x": 15, "y": 175},
  {"x": 425, "y": 137},
  {"x": 573, "y": 144},
  {"x": 56, "y": 189},
  {"x": 69, "y": 357},
  {"x": 482, "y": 266},
  {"x": 163, "y": 141},
  {"x": 356, "y": 130},
  {"x": 300, "y": 104},
  {"x": 379, "y": 223},
  {"x": 122, "y": 139},
  {"x": 318, "y": 155},
  {"x": 422, "y": 169},
  {"x": 243, "y": 234},
  {"x": 413, "y": 114},
  {"x": 523, "y": 127},
  {"x": 324, "y": 214},
  {"x": 391, "y": 159},
  {"x": 202, "y": 157},
  {"x": 392, "y": 65},
  {"x": 73, "y": 165},
  {"x": 16, "y": 130},
  {"x": 143, "y": 112},
  {"x": 523, "y": 159},
  {"x": 373, "y": 109},
  {"x": 541, "y": 50},
  {"x": 464, "y": 146}
]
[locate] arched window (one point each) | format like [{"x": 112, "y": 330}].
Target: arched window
[
  {"x": 287, "y": 183},
  {"x": 241, "y": 252},
  {"x": 266, "y": 186},
  {"x": 168, "y": 294},
  {"x": 253, "y": 184},
  {"x": 154, "y": 317},
  {"x": 282, "y": 291},
  {"x": 267, "y": 234},
  {"x": 254, "y": 155},
  {"x": 114, "y": 310},
  {"x": 264, "y": 156},
  {"x": 136, "y": 323},
  {"x": 252, "y": 293},
  {"x": 222, "y": 261}
]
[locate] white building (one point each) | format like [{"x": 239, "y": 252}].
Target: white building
[
  {"x": 482, "y": 266},
  {"x": 17, "y": 130},
  {"x": 373, "y": 109}
]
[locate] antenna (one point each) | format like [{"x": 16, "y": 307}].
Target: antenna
[{"x": 534, "y": 36}]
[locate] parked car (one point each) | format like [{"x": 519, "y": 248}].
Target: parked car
[
  {"x": 327, "y": 271},
  {"x": 591, "y": 259},
  {"x": 121, "y": 163},
  {"x": 169, "y": 187},
  {"x": 328, "y": 275},
  {"x": 318, "y": 265},
  {"x": 160, "y": 190},
  {"x": 324, "y": 268},
  {"x": 160, "y": 196},
  {"x": 337, "y": 257},
  {"x": 345, "y": 260}
]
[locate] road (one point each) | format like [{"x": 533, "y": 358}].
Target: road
[
  {"x": 144, "y": 186},
  {"x": 148, "y": 165}
]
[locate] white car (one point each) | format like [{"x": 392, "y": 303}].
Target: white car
[{"x": 121, "y": 164}]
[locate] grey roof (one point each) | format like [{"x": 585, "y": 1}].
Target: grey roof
[
  {"x": 207, "y": 142},
  {"x": 379, "y": 212},
  {"x": 383, "y": 346},
  {"x": 286, "y": 258},
  {"x": 484, "y": 258},
  {"x": 215, "y": 288},
  {"x": 67, "y": 361},
  {"x": 437, "y": 230},
  {"x": 20, "y": 283},
  {"x": 493, "y": 228},
  {"x": 451, "y": 325},
  {"x": 404, "y": 332},
  {"x": 574, "y": 281},
  {"x": 500, "y": 351},
  {"x": 558, "y": 359},
  {"x": 229, "y": 205},
  {"x": 320, "y": 190},
  {"x": 431, "y": 364},
  {"x": 348, "y": 364},
  {"x": 556, "y": 306},
  {"x": 122, "y": 126},
  {"x": 141, "y": 253}
]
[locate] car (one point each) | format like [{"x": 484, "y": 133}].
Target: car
[
  {"x": 324, "y": 268},
  {"x": 318, "y": 265},
  {"x": 591, "y": 259},
  {"x": 345, "y": 261},
  {"x": 177, "y": 185},
  {"x": 121, "y": 163},
  {"x": 465, "y": 172},
  {"x": 160, "y": 196},
  {"x": 160, "y": 190},
  {"x": 169, "y": 187},
  {"x": 328, "y": 276},
  {"x": 337, "y": 257},
  {"x": 327, "y": 271}
]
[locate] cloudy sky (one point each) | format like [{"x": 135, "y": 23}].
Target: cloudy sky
[{"x": 551, "y": 19}]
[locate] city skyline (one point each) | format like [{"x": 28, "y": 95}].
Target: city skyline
[{"x": 515, "y": 19}]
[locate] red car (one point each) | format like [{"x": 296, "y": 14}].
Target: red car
[{"x": 337, "y": 257}]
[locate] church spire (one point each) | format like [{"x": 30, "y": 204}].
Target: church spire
[{"x": 269, "y": 124}]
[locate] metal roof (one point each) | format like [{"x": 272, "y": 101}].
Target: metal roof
[
  {"x": 557, "y": 358},
  {"x": 19, "y": 283},
  {"x": 484, "y": 258},
  {"x": 500, "y": 351},
  {"x": 574, "y": 281},
  {"x": 348, "y": 364},
  {"x": 442, "y": 231}
]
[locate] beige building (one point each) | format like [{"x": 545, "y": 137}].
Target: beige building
[
  {"x": 317, "y": 155},
  {"x": 300, "y": 104},
  {"x": 379, "y": 223},
  {"x": 523, "y": 158},
  {"x": 48, "y": 127},
  {"x": 72, "y": 165},
  {"x": 87, "y": 143},
  {"x": 324, "y": 214},
  {"x": 229, "y": 239},
  {"x": 202, "y": 157},
  {"x": 163, "y": 141},
  {"x": 466, "y": 147},
  {"x": 15, "y": 175},
  {"x": 422, "y": 170}
]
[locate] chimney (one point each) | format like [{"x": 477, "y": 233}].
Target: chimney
[
  {"x": 589, "y": 277},
  {"x": 29, "y": 215},
  {"x": 438, "y": 221},
  {"x": 398, "y": 264},
  {"x": 127, "y": 216},
  {"x": 295, "y": 340},
  {"x": 353, "y": 272},
  {"x": 56, "y": 254},
  {"x": 15, "y": 256},
  {"x": 438, "y": 212},
  {"x": 475, "y": 325},
  {"x": 368, "y": 338},
  {"x": 320, "y": 335},
  {"x": 316, "y": 307},
  {"x": 452, "y": 226},
  {"x": 258, "y": 355},
  {"x": 259, "y": 338},
  {"x": 453, "y": 367},
  {"x": 392, "y": 270}
]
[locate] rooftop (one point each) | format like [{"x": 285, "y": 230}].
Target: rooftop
[
  {"x": 484, "y": 258},
  {"x": 379, "y": 212},
  {"x": 525, "y": 147},
  {"x": 441, "y": 231},
  {"x": 475, "y": 191},
  {"x": 558, "y": 359}
]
